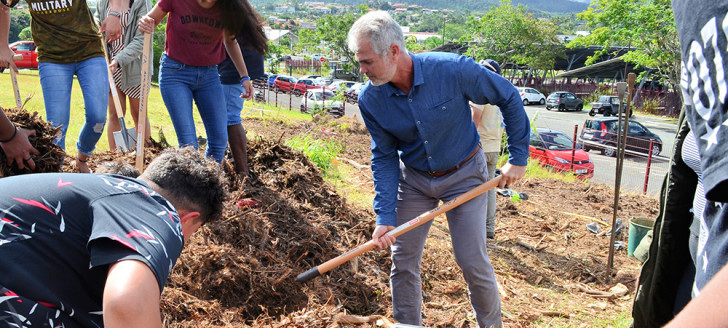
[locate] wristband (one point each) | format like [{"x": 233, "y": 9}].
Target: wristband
[
  {"x": 244, "y": 78},
  {"x": 11, "y": 137},
  {"x": 113, "y": 13}
]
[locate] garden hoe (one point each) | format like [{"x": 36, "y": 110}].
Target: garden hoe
[
  {"x": 14, "y": 77},
  {"x": 142, "y": 118},
  {"x": 124, "y": 138},
  {"x": 422, "y": 218}
]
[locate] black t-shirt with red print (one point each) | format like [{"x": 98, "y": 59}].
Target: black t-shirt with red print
[{"x": 58, "y": 234}]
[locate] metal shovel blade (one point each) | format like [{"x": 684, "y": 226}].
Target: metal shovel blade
[{"x": 125, "y": 143}]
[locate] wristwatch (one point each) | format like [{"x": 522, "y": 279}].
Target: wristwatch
[{"x": 113, "y": 13}]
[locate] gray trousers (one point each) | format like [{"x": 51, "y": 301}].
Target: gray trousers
[
  {"x": 419, "y": 193},
  {"x": 491, "y": 158}
]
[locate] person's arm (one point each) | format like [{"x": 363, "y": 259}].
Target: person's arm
[
  {"x": 233, "y": 50},
  {"x": 149, "y": 21},
  {"x": 477, "y": 113},
  {"x": 15, "y": 144},
  {"x": 133, "y": 50},
  {"x": 385, "y": 171},
  {"x": 489, "y": 87},
  {"x": 6, "y": 55},
  {"x": 708, "y": 309},
  {"x": 131, "y": 296},
  {"x": 112, "y": 24}
]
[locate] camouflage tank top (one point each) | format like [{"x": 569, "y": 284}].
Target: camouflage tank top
[{"x": 64, "y": 31}]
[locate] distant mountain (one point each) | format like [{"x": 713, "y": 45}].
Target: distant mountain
[{"x": 552, "y": 6}]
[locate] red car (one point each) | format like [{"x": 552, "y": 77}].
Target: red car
[
  {"x": 284, "y": 83},
  {"x": 554, "y": 149},
  {"x": 30, "y": 56},
  {"x": 304, "y": 85}
]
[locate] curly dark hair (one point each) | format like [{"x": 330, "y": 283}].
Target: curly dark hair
[
  {"x": 240, "y": 19},
  {"x": 117, "y": 167},
  {"x": 189, "y": 180}
]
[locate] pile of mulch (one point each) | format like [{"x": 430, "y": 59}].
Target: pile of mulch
[
  {"x": 50, "y": 155},
  {"x": 242, "y": 269}
]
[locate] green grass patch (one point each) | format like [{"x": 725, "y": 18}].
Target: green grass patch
[{"x": 321, "y": 152}]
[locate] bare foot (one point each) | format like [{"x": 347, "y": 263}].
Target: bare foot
[{"x": 81, "y": 163}]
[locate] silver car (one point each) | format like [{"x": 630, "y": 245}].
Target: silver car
[{"x": 531, "y": 96}]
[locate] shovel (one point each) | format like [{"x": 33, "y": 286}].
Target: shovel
[
  {"x": 422, "y": 218},
  {"x": 14, "y": 77},
  {"x": 142, "y": 119},
  {"x": 124, "y": 139}
]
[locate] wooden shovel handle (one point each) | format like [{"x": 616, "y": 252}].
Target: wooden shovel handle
[
  {"x": 14, "y": 78},
  {"x": 146, "y": 84},
  {"x": 422, "y": 218}
]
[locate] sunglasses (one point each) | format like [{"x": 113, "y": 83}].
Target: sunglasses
[{"x": 11, "y": 4}]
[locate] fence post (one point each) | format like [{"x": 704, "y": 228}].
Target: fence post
[
  {"x": 343, "y": 107},
  {"x": 276, "y": 91},
  {"x": 290, "y": 100},
  {"x": 649, "y": 163},
  {"x": 573, "y": 148}
]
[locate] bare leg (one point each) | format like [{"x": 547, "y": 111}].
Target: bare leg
[
  {"x": 239, "y": 146},
  {"x": 81, "y": 163}
]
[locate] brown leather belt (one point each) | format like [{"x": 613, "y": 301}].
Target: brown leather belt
[{"x": 441, "y": 173}]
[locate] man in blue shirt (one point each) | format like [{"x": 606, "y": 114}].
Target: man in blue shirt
[{"x": 425, "y": 149}]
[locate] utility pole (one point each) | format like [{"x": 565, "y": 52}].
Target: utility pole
[{"x": 444, "y": 16}]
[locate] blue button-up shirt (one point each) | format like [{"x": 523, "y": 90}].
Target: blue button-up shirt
[{"x": 431, "y": 127}]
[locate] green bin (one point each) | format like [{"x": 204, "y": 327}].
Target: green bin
[{"x": 638, "y": 228}]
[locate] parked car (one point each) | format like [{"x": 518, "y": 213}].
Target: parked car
[
  {"x": 321, "y": 99},
  {"x": 352, "y": 93},
  {"x": 28, "y": 50},
  {"x": 554, "y": 149},
  {"x": 342, "y": 74},
  {"x": 600, "y": 133},
  {"x": 340, "y": 84},
  {"x": 284, "y": 83},
  {"x": 531, "y": 96},
  {"x": 271, "y": 80},
  {"x": 313, "y": 77},
  {"x": 607, "y": 105},
  {"x": 563, "y": 100},
  {"x": 304, "y": 84}
]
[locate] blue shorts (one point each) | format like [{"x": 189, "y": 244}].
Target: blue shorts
[{"x": 233, "y": 102}]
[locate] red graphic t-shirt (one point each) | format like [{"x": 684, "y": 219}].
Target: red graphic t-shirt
[{"x": 194, "y": 34}]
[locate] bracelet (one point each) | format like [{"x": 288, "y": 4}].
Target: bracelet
[
  {"x": 113, "y": 13},
  {"x": 11, "y": 137},
  {"x": 244, "y": 78}
]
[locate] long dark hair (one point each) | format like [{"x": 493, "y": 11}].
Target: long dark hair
[{"x": 240, "y": 19}]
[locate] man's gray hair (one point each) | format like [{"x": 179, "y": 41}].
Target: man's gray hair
[{"x": 380, "y": 28}]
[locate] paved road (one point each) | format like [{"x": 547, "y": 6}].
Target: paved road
[{"x": 634, "y": 168}]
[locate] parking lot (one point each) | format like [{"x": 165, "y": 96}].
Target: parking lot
[{"x": 634, "y": 169}]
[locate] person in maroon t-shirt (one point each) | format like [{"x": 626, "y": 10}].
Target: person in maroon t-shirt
[{"x": 198, "y": 33}]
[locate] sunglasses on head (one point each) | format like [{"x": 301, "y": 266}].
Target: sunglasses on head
[{"x": 11, "y": 4}]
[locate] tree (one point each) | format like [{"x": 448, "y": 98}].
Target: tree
[
  {"x": 332, "y": 30},
  {"x": 25, "y": 34},
  {"x": 509, "y": 35},
  {"x": 647, "y": 27},
  {"x": 19, "y": 20}
]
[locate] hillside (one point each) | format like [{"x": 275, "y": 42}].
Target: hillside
[{"x": 560, "y": 6}]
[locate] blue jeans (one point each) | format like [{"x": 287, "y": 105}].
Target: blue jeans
[
  {"x": 180, "y": 84},
  {"x": 233, "y": 102},
  {"x": 56, "y": 81}
]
